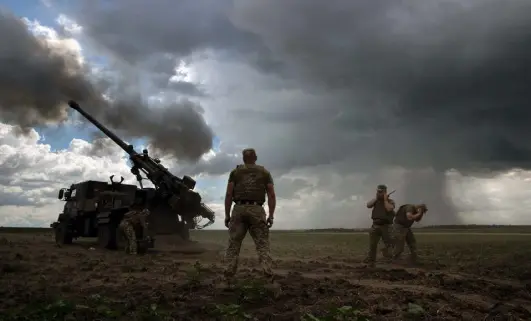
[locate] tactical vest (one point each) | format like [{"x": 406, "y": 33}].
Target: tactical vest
[
  {"x": 135, "y": 217},
  {"x": 380, "y": 214},
  {"x": 401, "y": 215},
  {"x": 250, "y": 183}
]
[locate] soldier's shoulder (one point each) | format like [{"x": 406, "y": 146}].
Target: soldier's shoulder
[
  {"x": 238, "y": 168},
  {"x": 262, "y": 168}
]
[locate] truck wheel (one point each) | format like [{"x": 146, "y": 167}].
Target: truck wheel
[
  {"x": 107, "y": 236},
  {"x": 183, "y": 231},
  {"x": 62, "y": 234},
  {"x": 141, "y": 247}
]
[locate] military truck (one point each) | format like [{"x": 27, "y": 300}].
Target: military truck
[{"x": 95, "y": 209}]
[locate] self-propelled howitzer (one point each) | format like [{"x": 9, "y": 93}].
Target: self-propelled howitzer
[{"x": 171, "y": 194}]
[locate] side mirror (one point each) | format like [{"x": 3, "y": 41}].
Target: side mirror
[{"x": 61, "y": 194}]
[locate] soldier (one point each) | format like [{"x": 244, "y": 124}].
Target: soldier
[
  {"x": 136, "y": 217},
  {"x": 248, "y": 183},
  {"x": 405, "y": 217},
  {"x": 382, "y": 213}
]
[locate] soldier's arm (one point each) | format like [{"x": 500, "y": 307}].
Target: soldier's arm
[
  {"x": 411, "y": 213},
  {"x": 419, "y": 215},
  {"x": 271, "y": 197},
  {"x": 389, "y": 204},
  {"x": 228, "y": 194},
  {"x": 144, "y": 220},
  {"x": 370, "y": 204}
]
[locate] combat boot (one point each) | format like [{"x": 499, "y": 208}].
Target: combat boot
[
  {"x": 386, "y": 253},
  {"x": 369, "y": 262}
]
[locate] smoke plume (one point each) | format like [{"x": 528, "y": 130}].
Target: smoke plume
[{"x": 38, "y": 77}]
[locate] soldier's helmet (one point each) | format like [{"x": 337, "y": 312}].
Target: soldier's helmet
[
  {"x": 423, "y": 207},
  {"x": 251, "y": 151}
]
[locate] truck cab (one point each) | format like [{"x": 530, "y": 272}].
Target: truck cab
[{"x": 94, "y": 209}]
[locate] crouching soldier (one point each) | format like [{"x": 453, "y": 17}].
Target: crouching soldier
[
  {"x": 135, "y": 218},
  {"x": 406, "y": 215}
]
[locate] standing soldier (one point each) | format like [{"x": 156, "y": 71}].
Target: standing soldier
[
  {"x": 382, "y": 213},
  {"x": 136, "y": 217},
  {"x": 248, "y": 183},
  {"x": 406, "y": 215}
]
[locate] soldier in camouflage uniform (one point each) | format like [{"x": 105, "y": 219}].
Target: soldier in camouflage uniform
[
  {"x": 382, "y": 217},
  {"x": 135, "y": 217},
  {"x": 406, "y": 215},
  {"x": 248, "y": 183}
]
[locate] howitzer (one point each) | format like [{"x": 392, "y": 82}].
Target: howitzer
[{"x": 169, "y": 189}]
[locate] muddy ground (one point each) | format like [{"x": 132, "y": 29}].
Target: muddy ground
[{"x": 320, "y": 277}]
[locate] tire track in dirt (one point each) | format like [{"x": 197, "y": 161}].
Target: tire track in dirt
[
  {"x": 488, "y": 291},
  {"x": 377, "y": 286}
]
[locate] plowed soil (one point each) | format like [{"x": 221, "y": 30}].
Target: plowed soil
[{"x": 320, "y": 276}]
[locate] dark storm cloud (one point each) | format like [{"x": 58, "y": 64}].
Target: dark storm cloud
[
  {"x": 186, "y": 88},
  {"x": 416, "y": 71},
  {"x": 449, "y": 78},
  {"x": 133, "y": 31},
  {"x": 439, "y": 84},
  {"x": 443, "y": 83},
  {"x": 36, "y": 80}
]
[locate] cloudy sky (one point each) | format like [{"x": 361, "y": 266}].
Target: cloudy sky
[{"x": 429, "y": 97}]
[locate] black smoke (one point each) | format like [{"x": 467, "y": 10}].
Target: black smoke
[{"x": 37, "y": 79}]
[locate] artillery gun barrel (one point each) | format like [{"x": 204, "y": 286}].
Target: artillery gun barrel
[{"x": 128, "y": 148}]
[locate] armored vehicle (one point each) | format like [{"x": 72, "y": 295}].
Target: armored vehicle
[{"x": 95, "y": 208}]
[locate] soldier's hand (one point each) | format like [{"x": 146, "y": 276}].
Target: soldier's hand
[
  {"x": 270, "y": 221},
  {"x": 227, "y": 221}
]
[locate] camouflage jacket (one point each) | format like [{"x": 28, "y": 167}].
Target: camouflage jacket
[{"x": 136, "y": 217}]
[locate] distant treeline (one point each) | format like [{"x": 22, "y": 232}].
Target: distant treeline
[
  {"x": 436, "y": 227},
  {"x": 8, "y": 229},
  {"x": 474, "y": 227}
]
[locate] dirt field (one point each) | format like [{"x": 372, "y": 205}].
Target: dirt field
[{"x": 321, "y": 277}]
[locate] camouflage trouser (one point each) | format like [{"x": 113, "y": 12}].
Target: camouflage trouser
[
  {"x": 376, "y": 233},
  {"x": 129, "y": 232},
  {"x": 250, "y": 218},
  {"x": 403, "y": 235}
]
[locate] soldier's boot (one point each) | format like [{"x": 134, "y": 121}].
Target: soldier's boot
[
  {"x": 133, "y": 247},
  {"x": 413, "y": 259},
  {"x": 231, "y": 268},
  {"x": 373, "y": 248},
  {"x": 370, "y": 260},
  {"x": 386, "y": 253}
]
